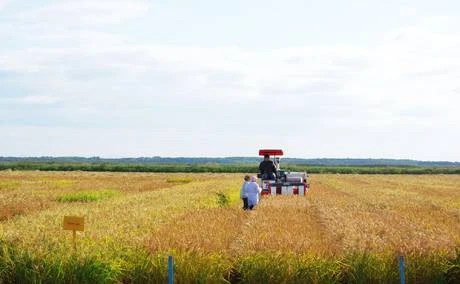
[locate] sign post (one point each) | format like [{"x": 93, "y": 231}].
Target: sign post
[{"x": 74, "y": 224}]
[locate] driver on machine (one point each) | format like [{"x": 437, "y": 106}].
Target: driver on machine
[{"x": 267, "y": 168}]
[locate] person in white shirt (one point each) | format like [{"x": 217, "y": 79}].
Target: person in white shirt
[
  {"x": 244, "y": 192},
  {"x": 253, "y": 191}
]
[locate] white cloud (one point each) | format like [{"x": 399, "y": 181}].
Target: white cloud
[
  {"x": 84, "y": 13},
  {"x": 72, "y": 23},
  {"x": 3, "y": 3},
  {"x": 396, "y": 76},
  {"x": 41, "y": 100}
]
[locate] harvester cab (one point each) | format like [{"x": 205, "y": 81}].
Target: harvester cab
[{"x": 284, "y": 182}]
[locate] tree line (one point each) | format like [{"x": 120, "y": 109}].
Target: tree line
[{"x": 222, "y": 168}]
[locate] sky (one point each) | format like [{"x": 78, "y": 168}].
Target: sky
[{"x": 318, "y": 79}]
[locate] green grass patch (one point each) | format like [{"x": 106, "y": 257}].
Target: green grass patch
[
  {"x": 87, "y": 196},
  {"x": 62, "y": 182}
]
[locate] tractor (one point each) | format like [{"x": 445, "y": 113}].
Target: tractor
[{"x": 284, "y": 182}]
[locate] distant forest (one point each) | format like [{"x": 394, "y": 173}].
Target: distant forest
[{"x": 228, "y": 161}]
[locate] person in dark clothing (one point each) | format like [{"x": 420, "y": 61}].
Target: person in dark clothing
[{"x": 267, "y": 168}]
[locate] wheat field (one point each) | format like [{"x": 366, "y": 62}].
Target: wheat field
[{"x": 348, "y": 229}]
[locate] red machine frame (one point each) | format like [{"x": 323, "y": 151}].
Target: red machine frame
[{"x": 283, "y": 185}]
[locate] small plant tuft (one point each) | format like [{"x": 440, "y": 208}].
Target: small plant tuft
[
  {"x": 87, "y": 196},
  {"x": 222, "y": 199}
]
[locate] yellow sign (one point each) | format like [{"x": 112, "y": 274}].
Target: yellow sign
[{"x": 74, "y": 223}]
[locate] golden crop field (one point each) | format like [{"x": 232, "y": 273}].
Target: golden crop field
[{"x": 348, "y": 229}]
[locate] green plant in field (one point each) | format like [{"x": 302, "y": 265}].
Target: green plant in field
[
  {"x": 87, "y": 196},
  {"x": 222, "y": 199},
  {"x": 369, "y": 268}
]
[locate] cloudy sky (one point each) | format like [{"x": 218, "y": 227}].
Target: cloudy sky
[{"x": 119, "y": 78}]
